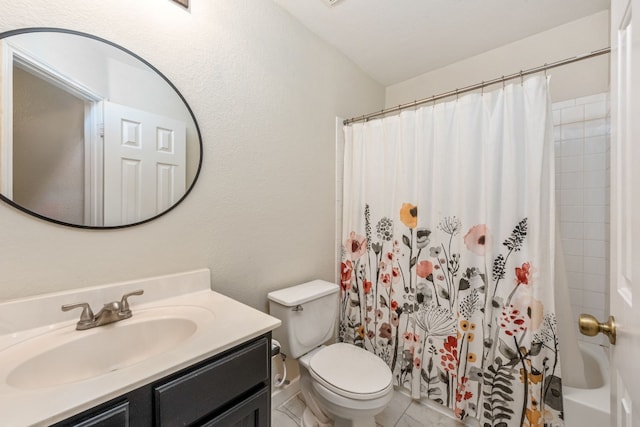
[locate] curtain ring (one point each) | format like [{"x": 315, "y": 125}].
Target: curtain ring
[
  {"x": 503, "y": 82},
  {"x": 482, "y": 89},
  {"x": 433, "y": 100},
  {"x": 456, "y": 94},
  {"x": 521, "y": 79},
  {"x": 545, "y": 69}
]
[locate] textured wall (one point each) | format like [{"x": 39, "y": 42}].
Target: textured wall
[{"x": 265, "y": 92}]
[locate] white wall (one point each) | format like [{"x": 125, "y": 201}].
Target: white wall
[
  {"x": 583, "y": 78},
  {"x": 266, "y": 93}
]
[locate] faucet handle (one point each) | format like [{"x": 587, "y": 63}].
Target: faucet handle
[
  {"x": 124, "y": 302},
  {"x": 86, "y": 317}
]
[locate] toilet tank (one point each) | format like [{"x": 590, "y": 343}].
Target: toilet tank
[{"x": 308, "y": 313}]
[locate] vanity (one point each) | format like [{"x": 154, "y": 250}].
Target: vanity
[{"x": 186, "y": 356}]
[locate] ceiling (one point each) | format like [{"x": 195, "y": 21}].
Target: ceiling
[{"x": 394, "y": 40}]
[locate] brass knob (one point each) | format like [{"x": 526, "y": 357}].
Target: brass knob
[{"x": 590, "y": 326}]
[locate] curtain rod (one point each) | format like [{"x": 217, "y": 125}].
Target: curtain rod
[{"x": 457, "y": 92}]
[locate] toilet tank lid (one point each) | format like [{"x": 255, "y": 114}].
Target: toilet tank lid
[{"x": 299, "y": 294}]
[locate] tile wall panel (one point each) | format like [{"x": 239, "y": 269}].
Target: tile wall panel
[{"x": 581, "y": 134}]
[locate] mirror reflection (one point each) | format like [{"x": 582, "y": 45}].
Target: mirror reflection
[{"x": 91, "y": 135}]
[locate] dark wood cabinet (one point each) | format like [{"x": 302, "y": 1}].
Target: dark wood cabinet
[{"x": 231, "y": 389}]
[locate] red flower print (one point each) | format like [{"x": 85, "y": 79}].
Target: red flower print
[
  {"x": 395, "y": 274},
  {"x": 395, "y": 320},
  {"x": 417, "y": 363},
  {"x": 512, "y": 321},
  {"x": 366, "y": 286},
  {"x": 522, "y": 274},
  {"x": 394, "y": 305},
  {"x": 449, "y": 358},
  {"x": 385, "y": 279},
  {"x": 345, "y": 274},
  {"x": 424, "y": 269},
  {"x": 356, "y": 245}
]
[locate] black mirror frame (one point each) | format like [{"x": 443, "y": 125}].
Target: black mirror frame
[{"x": 195, "y": 122}]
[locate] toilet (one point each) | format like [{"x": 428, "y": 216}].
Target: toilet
[{"x": 343, "y": 385}]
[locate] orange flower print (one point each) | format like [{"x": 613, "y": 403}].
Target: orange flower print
[
  {"x": 355, "y": 245},
  {"x": 409, "y": 215},
  {"x": 534, "y": 377},
  {"x": 424, "y": 269},
  {"x": 476, "y": 239},
  {"x": 522, "y": 274}
]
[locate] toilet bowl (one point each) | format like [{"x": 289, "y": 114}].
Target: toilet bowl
[
  {"x": 348, "y": 383},
  {"x": 342, "y": 384}
]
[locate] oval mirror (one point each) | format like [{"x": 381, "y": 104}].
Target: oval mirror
[{"x": 91, "y": 135}]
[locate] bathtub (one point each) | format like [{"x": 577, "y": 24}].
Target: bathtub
[{"x": 589, "y": 407}]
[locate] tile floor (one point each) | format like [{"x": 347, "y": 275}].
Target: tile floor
[{"x": 401, "y": 412}]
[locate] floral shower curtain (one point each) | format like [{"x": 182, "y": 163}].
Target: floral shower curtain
[{"x": 448, "y": 246}]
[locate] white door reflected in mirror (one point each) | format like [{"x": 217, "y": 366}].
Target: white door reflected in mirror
[{"x": 92, "y": 135}]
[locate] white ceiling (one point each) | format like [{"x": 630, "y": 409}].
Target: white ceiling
[{"x": 394, "y": 40}]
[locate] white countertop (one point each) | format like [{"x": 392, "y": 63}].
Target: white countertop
[{"x": 231, "y": 323}]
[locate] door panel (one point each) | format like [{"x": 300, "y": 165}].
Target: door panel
[
  {"x": 625, "y": 209},
  {"x": 141, "y": 151}
]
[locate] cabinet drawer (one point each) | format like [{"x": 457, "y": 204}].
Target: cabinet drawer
[
  {"x": 190, "y": 397},
  {"x": 114, "y": 416}
]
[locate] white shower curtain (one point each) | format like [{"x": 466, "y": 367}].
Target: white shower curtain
[{"x": 448, "y": 248}]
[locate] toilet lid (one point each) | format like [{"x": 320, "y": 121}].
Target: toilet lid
[{"x": 351, "y": 371}]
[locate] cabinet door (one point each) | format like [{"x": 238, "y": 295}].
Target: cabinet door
[{"x": 253, "y": 412}]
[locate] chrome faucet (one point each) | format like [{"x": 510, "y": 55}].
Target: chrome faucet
[{"x": 111, "y": 312}]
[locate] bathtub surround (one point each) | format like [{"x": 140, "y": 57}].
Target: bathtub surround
[
  {"x": 581, "y": 135},
  {"x": 589, "y": 405},
  {"x": 447, "y": 271}
]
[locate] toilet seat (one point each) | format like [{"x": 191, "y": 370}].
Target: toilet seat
[{"x": 351, "y": 372}]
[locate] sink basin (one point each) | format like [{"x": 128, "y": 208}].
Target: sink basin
[{"x": 66, "y": 356}]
